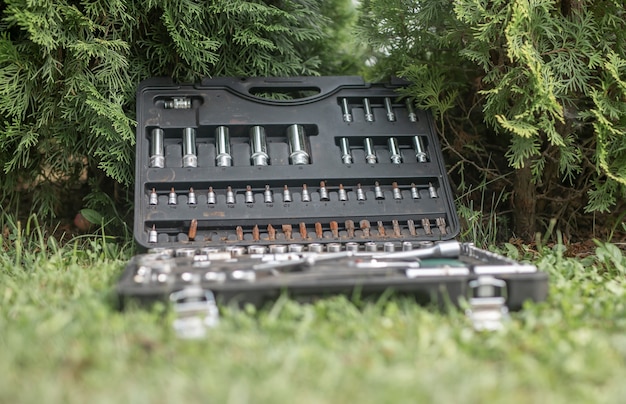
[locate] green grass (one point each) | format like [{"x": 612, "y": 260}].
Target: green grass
[{"x": 61, "y": 340}]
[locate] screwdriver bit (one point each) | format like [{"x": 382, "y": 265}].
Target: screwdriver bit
[
  {"x": 345, "y": 109},
  {"x": 411, "y": 225},
  {"x": 256, "y": 235},
  {"x": 396, "y": 228},
  {"x": 365, "y": 227},
  {"x": 271, "y": 232},
  {"x": 210, "y": 198},
  {"x": 381, "y": 229},
  {"x": 334, "y": 229},
  {"x": 303, "y": 232},
  {"x": 287, "y": 230},
  {"x": 319, "y": 232},
  {"x": 343, "y": 195},
  {"x": 350, "y": 228},
  {"x": 193, "y": 228},
  {"x": 239, "y": 232},
  {"x": 441, "y": 223},
  {"x": 191, "y": 197},
  {"x": 172, "y": 200},
  {"x": 249, "y": 195},
  {"x": 426, "y": 226},
  {"x": 323, "y": 192},
  {"x": 154, "y": 198}
]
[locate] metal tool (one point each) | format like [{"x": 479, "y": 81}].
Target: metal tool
[
  {"x": 370, "y": 153},
  {"x": 333, "y": 247},
  {"x": 432, "y": 191},
  {"x": 365, "y": 227},
  {"x": 360, "y": 194},
  {"x": 323, "y": 192},
  {"x": 426, "y": 226},
  {"x": 316, "y": 248},
  {"x": 286, "y": 194},
  {"x": 230, "y": 195},
  {"x": 190, "y": 158},
  {"x": 256, "y": 234},
  {"x": 258, "y": 147},
  {"x": 178, "y": 103},
  {"x": 268, "y": 197},
  {"x": 303, "y": 232},
  {"x": 153, "y": 199},
  {"x": 153, "y": 236},
  {"x": 249, "y": 195},
  {"x": 389, "y": 247},
  {"x": 287, "y": 231},
  {"x": 298, "y": 145},
  {"x": 446, "y": 249},
  {"x": 411, "y": 225},
  {"x": 157, "y": 149},
  {"x": 295, "y": 248},
  {"x": 334, "y": 229},
  {"x": 411, "y": 111},
  {"x": 193, "y": 229},
  {"x": 277, "y": 249},
  {"x": 271, "y": 233},
  {"x": 378, "y": 192},
  {"x": 349, "y": 228},
  {"x": 391, "y": 116},
  {"x": 343, "y": 195},
  {"x": 394, "y": 151},
  {"x": 319, "y": 231},
  {"x": 396, "y": 228},
  {"x": 441, "y": 224},
  {"x": 344, "y": 145},
  {"x": 345, "y": 109},
  {"x": 369, "y": 115},
  {"x": 371, "y": 246},
  {"x": 191, "y": 197},
  {"x": 306, "y": 197},
  {"x": 256, "y": 249},
  {"x": 352, "y": 246},
  {"x": 415, "y": 193},
  {"x": 397, "y": 193},
  {"x": 381, "y": 229},
  {"x": 172, "y": 198},
  {"x": 210, "y": 197},
  {"x": 420, "y": 149},
  {"x": 239, "y": 233},
  {"x": 407, "y": 246},
  {"x": 222, "y": 147}
]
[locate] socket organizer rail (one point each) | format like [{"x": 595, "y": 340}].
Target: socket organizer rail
[{"x": 239, "y": 179}]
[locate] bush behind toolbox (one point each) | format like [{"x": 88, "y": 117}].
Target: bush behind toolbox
[{"x": 246, "y": 188}]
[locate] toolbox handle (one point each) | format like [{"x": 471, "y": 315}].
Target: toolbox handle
[{"x": 249, "y": 87}]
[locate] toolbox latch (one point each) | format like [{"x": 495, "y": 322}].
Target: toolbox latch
[
  {"x": 195, "y": 311},
  {"x": 487, "y": 304}
]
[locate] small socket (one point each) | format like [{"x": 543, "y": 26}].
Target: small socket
[
  {"x": 360, "y": 194},
  {"x": 230, "y": 196},
  {"x": 286, "y": 194},
  {"x": 153, "y": 236},
  {"x": 323, "y": 192},
  {"x": 343, "y": 195},
  {"x": 306, "y": 196},
  {"x": 415, "y": 193},
  {"x": 432, "y": 191},
  {"x": 397, "y": 193},
  {"x": 210, "y": 197},
  {"x": 378, "y": 192}
]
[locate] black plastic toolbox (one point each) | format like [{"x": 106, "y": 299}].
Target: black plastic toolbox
[{"x": 250, "y": 187}]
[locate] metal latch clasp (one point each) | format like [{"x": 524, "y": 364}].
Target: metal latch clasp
[
  {"x": 487, "y": 303},
  {"x": 195, "y": 311}
]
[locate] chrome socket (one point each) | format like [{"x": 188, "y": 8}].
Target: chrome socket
[
  {"x": 210, "y": 197},
  {"x": 258, "y": 147},
  {"x": 360, "y": 194},
  {"x": 411, "y": 111},
  {"x": 157, "y": 149},
  {"x": 190, "y": 158},
  {"x": 295, "y": 248},
  {"x": 268, "y": 197},
  {"x": 230, "y": 196},
  {"x": 389, "y": 247},
  {"x": 277, "y": 249},
  {"x": 191, "y": 197},
  {"x": 352, "y": 246},
  {"x": 256, "y": 249},
  {"x": 316, "y": 247},
  {"x": 172, "y": 199},
  {"x": 222, "y": 147},
  {"x": 432, "y": 191},
  {"x": 323, "y": 192},
  {"x": 345, "y": 109},
  {"x": 249, "y": 195},
  {"x": 369, "y": 115},
  {"x": 397, "y": 193},
  {"x": 391, "y": 116},
  {"x": 415, "y": 193},
  {"x": 420, "y": 149},
  {"x": 286, "y": 194},
  {"x": 394, "y": 151},
  {"x": 344, "y": 144},
  {"x": 370, "y": 153},
  {"x": 333, "y": 247},
  {"x": 407, "y": 246},
  {"x": 177, "y": 103},
  {"x": 154, "y": 198},
  {"x": 371, "y": 246},
  {"x": 343, "y": 195},
  {"x": 306, "y": 196},
  {"x": 298, "y": 148},
  {"x": 153, "y": 236},
  {"x": 378, "y": 192}
]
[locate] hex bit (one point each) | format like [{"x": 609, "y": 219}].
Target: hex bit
[
  {"x": 306, "y": 197},
  {"x": 365, "y": 227},
  {"x": 345, "y": 110},
  {"x": 191, "y": 197},
  {"x": 249, "y": 195},
  {"x": 230, "y": 195},
  {"x": 344, "y": 145},
  {"x": 222, "y": 147},
  {"x": 193, "y": 229},
  {"x": 334, "y": 229},
  {"x": 256, "y": 234},
  {"x": 323, "y": 192},
  {"x": 287, "y": 231},
  {"x": 343, "y": 195},
  {"x": 154, "y": 198},
  {"x": 210, "y": 197},
  {"x": 426, "y": 226},
  {"x": 319, "y": 231},
  {"x": 378, "y": 192},
  {"x": 190, "y": 158},
  {"x": 268, "y": 197},
  {"x": 360, "y": 194},
  {"x": 394, "y": 151},
  {"x": 298, "y": 149},
  {"x": 415, "y": 193},
  {"x": 411, "y": 111},
  {"x": 350, "y": 228},
  {"x": 370, "y": 152},
  {"x": 441, "y": 224},
  {"x": 432, "y": 191},
  {"x": 172, "y": 199},
  {"x": 397, "y": 193},
  {"x": 286, "y": 194},
  {"x": 411, "y": 225},
  {"x": 396, "y": 228},
  {"x": 157, "y": 153},
  {"x": 369, "y": 115},
  {"x": 153, "y": 236}
]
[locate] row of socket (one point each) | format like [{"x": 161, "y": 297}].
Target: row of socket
[
  {"x": 394, "y": 150},
  {"x": 348, "y": 230},
  {"x": 360, "y": 194},
  {"x": 366, "y": 105},
  {"x": 296, "y": 138}
]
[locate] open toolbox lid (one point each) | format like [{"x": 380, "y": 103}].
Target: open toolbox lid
[{"x": 260, "y": 162}]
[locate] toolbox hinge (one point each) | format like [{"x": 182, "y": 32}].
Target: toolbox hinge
[
  {"x": 195, "y": 311},
  {"x": 487, "y": 304}
]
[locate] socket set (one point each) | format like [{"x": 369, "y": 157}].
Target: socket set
[{"x": 260, "y": 169}]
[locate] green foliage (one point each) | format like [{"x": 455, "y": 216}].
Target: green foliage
[
  {"x": 69, "y": 70},
  {"x": 540, "y": 82}
]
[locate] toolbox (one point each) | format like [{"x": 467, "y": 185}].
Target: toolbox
[{"x": 248, "y": 188}]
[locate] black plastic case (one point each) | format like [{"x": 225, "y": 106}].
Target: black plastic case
[{"x": 312, "y": 185}]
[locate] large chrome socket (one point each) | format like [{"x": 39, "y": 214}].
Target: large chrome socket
[
  {"x": 222, "y": 147},
  {"x": 190, "y": 157},
  {"x": 258, "y": 147},
  {"x": 298, "y": 145},
  {"x": 157, "y": 154}
]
